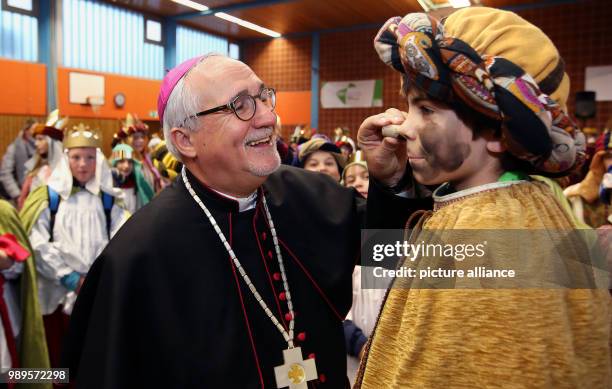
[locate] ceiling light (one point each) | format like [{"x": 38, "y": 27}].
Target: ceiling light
[
  {"x": 229, "y": 18},
  {"x": 460, "y": 3},
  {"x": 246, "y": 24},
  {"x": 432, "y": 5},
  {"x": 192, "y": 4}
]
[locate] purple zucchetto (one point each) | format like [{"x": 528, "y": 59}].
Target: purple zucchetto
[{"x": 169, "y": 82}]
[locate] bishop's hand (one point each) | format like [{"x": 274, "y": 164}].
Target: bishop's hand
[{"x": 386, "y": 156}]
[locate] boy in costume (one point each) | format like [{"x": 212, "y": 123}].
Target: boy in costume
[
  {"x": 127, "y": 176},
  {"x": 483, "y": 113}
]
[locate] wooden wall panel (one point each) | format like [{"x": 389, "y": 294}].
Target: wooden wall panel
[{"x": 11, "y": 124}]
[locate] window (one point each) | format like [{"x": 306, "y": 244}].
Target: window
[
  {"x": 153, "y": 31},
  {"x": 25, "y": 7},
  {"x": 106, "y": 38},
  {"x": 191, "y": 43},
  {"x": 18, "y": 34},
  {"x": 234, "y": 51}
]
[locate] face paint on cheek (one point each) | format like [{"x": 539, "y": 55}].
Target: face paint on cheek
[{"x": 444, "y": 152}]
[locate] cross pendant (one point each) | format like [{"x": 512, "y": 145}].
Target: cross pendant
[{"x": 296, "y": 371}]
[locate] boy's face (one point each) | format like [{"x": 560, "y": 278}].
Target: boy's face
[
  {"x": 82, "y": 163},
  {"x": 125, "y": 167},
  {"x": 42, "y": 146},
  {"x": 139, "y": 141},
  {"x": 356, "y": 176},
  {"x": 440, "y": 147},
  {"x": 323, "y": 162}
]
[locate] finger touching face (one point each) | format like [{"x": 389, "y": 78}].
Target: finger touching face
[{"x": 438, "y": 143}]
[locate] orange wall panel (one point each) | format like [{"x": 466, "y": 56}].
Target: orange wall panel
[
  {"x": 23, "y": 88},
  {"x": 140, "y": 96},
  {"x": 293, "y": 107}
]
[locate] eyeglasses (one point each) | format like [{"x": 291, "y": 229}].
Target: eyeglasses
[{"x": 244, "y": 106}]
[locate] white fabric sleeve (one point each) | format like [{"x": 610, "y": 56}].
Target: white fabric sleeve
[
  {"x": 14, "y": 271},
  {"x": 118, "y": 217},
  {"x": 49, "y": 261}
]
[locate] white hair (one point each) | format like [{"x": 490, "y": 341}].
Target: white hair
[{"x": 182, "y": 104}]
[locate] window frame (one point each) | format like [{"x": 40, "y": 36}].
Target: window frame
[
  {"x": 161, "y": 26},
  {"x": 9, "y": 8}
]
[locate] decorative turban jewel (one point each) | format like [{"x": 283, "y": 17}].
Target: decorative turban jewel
[
  {"x": 534, "y": 127},
  {"x": 53, "y": 127},
  {"x": 82, "y": 136}
]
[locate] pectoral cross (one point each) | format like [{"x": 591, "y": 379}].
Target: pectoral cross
[{"x": 296, "y": 371}]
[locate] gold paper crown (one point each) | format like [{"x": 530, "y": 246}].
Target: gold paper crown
[
  {"x": 357, "y": 157},
  {"x": 82, "y": 136},
  {"x": 121, "y": 154},
  {"x": 53, "y": 127}
]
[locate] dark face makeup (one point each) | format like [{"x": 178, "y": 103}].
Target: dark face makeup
[{"x": 438, "y": 143}]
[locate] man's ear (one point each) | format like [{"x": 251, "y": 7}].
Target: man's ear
[{"x": 181, "y": 138}]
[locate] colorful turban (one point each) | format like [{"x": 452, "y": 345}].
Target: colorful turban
[{"x": 534, "y": 126}]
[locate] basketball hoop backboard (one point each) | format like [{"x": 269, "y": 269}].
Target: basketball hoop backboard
[{"x": 84, "y": 86}]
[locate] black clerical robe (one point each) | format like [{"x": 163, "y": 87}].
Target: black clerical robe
[{"x": 163, "y": 305}]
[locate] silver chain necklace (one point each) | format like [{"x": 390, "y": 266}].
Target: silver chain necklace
[{"x": 295, "y": 372}]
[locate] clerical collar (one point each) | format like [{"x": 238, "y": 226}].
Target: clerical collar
[
  {"x": 219, "y": 200},
  {"x": 244, "y": 203}
]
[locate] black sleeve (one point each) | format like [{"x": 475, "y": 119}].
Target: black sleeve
[
  {"x": 387, "y": 210},
  {"x": 98, "y": 348},
  {"x": 354, "y": 338},
  {"x": 79, "y": 320}
]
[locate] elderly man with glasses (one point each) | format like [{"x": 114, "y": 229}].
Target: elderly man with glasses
[{"x": 238, "y": 275}]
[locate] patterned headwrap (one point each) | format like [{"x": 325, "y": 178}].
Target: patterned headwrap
[{"x": 534, "y": 127}]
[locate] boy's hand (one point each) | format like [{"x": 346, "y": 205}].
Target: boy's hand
[{"x": 386, "y": 157}]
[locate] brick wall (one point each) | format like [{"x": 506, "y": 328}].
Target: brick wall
[
  {"x": 283, "y": 64},
  {"x": 581, "y": 32}
]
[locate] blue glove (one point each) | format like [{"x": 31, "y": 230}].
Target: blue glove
[{"x": 71, "y": 281}]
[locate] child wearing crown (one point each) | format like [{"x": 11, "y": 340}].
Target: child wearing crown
[{"x": 69, "y": 222}]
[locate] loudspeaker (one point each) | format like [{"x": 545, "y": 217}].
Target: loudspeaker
[{"x": 585, "y": 105}]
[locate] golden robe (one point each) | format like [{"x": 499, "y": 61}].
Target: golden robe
[{"x": 492, "y": 338}]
